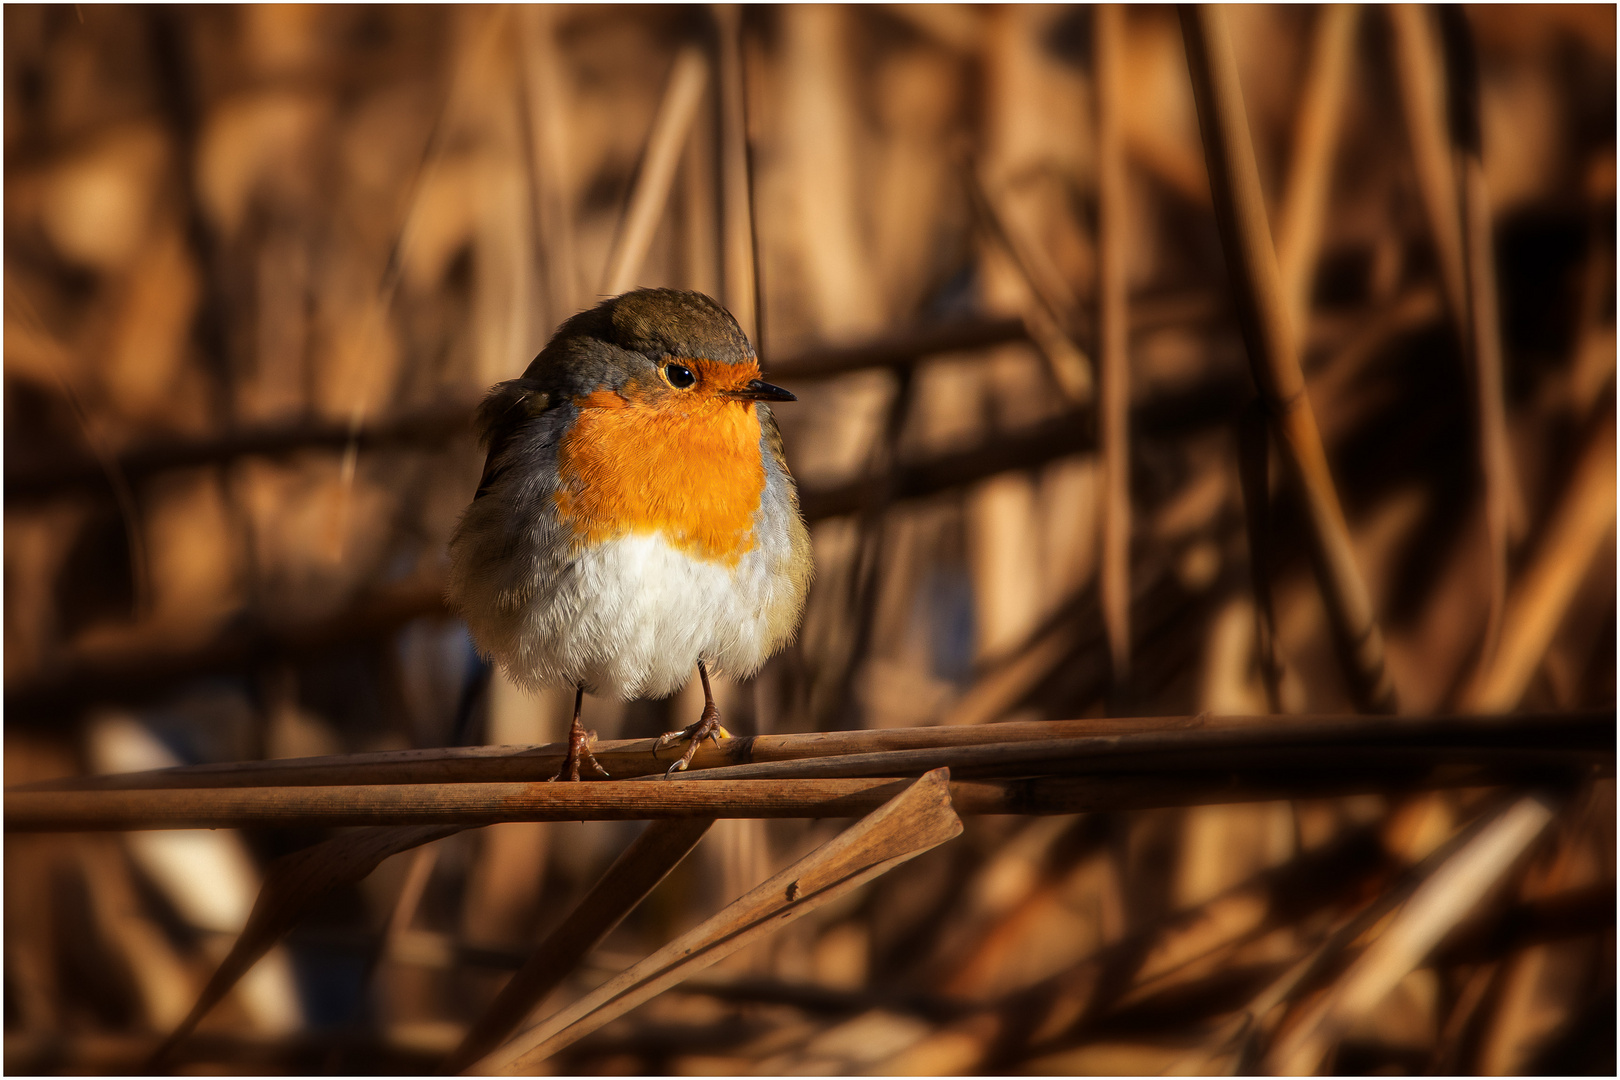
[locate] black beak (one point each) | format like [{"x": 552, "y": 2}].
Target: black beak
[{"x": 759, "y": 390}]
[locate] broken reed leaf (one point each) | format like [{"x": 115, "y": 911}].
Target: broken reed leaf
[
  {"x": 919, "y": 818},
  {"x": 1444, "y": 900},
  {"x": 291, "y": 885},
  {"x": 635, "y": 873}
]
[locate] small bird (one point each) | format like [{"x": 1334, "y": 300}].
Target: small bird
[{"x": 636, "y": 518}]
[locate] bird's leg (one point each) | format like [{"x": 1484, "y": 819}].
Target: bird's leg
[
  {"x": 707, "y": 727},
  {"x": 579, "y": 746}
]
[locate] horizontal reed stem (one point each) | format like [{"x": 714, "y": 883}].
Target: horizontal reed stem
[
  {"x": 473, "y": 805},
  {"x": 1141, "y": 743}
]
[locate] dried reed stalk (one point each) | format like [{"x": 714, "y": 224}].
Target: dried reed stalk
[
  {"x": 1574, "y": 912},
  {"x": 899, "y": 350},
  {"x": 1263, "y": 1015},
  {"x": 670, "y": 126},
  {"x": 1161, "y": 755},
  {"x": 1093, "y": 740},
  {"x": 145, "y": 668},
  {"x": 437, "y": 424},
  {"x": 1310, "y": 166},
  {"x": 107, "y": 465},
  {"x": 1504, "y": 509},
  {"x": 1049, "y": 306},
  {"x": 1187, "y": 954},
  {"x": 918, "y": 817},
  {"x": 433, "y": 804},
  {"x": 1062, "y": 436},
  {"x": 440, "y": 423},
  {"x": 1004, "y": 682},
  {"x": 635, "y": 873},
  {"x": 149, "y": 668},
  {"x": 736, "y": 187},
  {"x": 1444, "y": 900},
  {"x": 1188, "y": 775},
  {"x": 550, "y": 160},
  {"x": 471, "y": 805},
  {"x": 409, "y": 900},
  {"x": 1004, "y": 1029},
  {"x": 1113, "y": 406},
  {"x": 291, "y": 885},
  {"x": 374, "y": 315},
  {"x": 1584, "y": 515},
  {"x": 69, "y": 476},
  {"x": 1417, "y": 70},
  {"x": 1254, "y": 476},
  {"x": 1251, "y": 261}
]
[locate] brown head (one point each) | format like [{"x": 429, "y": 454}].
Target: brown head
[
  {"x": 669, "y": 429},
  {"x": 653, "y": 344}
]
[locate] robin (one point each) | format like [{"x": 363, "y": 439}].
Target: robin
[{"x": 636, "y": 518}]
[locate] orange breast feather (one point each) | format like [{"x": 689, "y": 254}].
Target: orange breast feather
[{"x": 689, "y": 469}]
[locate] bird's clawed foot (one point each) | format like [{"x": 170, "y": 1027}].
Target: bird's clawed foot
[
  {"x": 579, "y": 753},
  {"x": 707, "y": 727}
]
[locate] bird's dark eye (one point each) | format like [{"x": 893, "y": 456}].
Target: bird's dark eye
[{"x": 679, "y": 376}]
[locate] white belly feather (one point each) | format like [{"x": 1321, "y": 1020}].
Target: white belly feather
[
  {"x": 633, "y": 616},
  {"x": 629, "y": 617}
]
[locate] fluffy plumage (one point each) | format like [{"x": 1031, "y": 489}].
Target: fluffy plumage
[{"x": 625, "y": 529}]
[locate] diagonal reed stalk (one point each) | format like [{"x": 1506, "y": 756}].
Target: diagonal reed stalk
[
  {"x": 670, "y": 126},
  {"x": 636, "y": 872},
  {"x": 918, "y": 817},
  {"x": 1273, "y": 356},
  {"x": 1438, "y": 905},
  {"x": 291, "y": 886},
  {"x": 1580, "y": 520},
  {"x": 1049, "y": 307}
]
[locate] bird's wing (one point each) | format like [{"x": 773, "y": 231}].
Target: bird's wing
[
  {"x": 773, "y": 443},
  {"x": 508, "y": 407}
]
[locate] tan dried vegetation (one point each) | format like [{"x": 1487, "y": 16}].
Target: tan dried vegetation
[{"x": 1206, "y": 423}]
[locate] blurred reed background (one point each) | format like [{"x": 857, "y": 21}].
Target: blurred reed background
[{"x": 261, "y": 262}]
